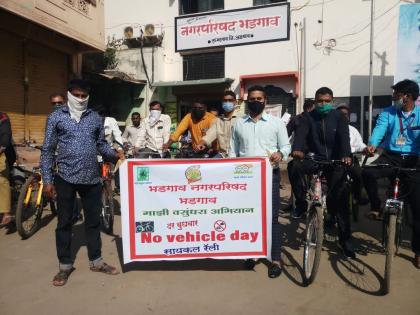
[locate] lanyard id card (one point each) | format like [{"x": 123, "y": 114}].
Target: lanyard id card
[{"x": 401, "y": 140}]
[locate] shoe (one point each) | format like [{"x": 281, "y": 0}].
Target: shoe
[
  {"x": 274, "y": 271},
  {"x": 249, "y": 264},
  {"x": 417, "y": 261},
  {"x": 296, "y": 213},
  {"x": 348, "y": 252}
]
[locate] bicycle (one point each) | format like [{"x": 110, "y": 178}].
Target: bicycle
[
  {"x": 18, "y": 176},
  {"x": 317, "y": 210},
  {"x": 31, "y": 203},
  {"x": 107, "y": 211},
  {"x": 393, "y": 217},
  {"x": 107, "y": 171}
]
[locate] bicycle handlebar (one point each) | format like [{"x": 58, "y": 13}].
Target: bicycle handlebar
[
  {"x": 325, "y": 162},
  {"x": 384, "y": 165}
]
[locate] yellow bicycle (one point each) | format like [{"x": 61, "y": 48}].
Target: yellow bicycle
[{"x": 31, "y": 204}]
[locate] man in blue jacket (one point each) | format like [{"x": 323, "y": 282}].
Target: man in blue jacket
[{"x": 397, "y": 131}]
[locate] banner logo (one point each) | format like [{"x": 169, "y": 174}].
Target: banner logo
[
  {"x": 145, "y": 227},
  {"x": 193, "y": 174},
  {"x": 143, "y": 174},
  {"x": 243, "y": 169}
]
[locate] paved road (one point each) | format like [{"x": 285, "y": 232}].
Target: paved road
[{"x": 204, "y": 286}]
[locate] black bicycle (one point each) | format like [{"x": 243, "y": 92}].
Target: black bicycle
[
  {"x": 394, "y": 214},
  {"x": 317, "y": 192}
]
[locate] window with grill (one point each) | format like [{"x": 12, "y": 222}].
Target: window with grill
[
  {"x": 204, "y": 66},
  {"x": 261, "y": 2},
  {"x": 196, "y": 6}
]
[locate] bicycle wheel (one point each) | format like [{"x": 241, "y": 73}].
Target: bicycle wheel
[
  {"x": 389, "y": 250},
  {"x": 107, "y": 213},
  {"x": 314, "y": 236},
  {"x": 28, "y": 210}
]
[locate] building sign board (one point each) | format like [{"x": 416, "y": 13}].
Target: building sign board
[{"x": 233, "y": 27}]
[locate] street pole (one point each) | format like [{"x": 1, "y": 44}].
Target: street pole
[
  {"x": 372, "y": 20},
  {"x": 302, "y": 69}
]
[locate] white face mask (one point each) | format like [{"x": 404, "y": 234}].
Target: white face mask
[
  {"x": 76, "y": 106},
  {"x": 154, "y": 116}
]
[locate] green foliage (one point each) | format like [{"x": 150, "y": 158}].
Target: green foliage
[{"x": 110, "y": 59}]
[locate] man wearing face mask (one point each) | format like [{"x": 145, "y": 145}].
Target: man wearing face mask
[
  {"x": 261, "y": 134},
  {"x": 397, "y": 131},
  {"x": 221, "y": 129},
  {"x": 77, "y": 134},
  {"x": 154, "y": 132},
  {"x": 325, "y": 133},
  {"x": 57, "y": 100},
  {"x": 198, "y": 122}
]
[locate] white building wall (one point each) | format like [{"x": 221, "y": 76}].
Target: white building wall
[{"x": 344, "y": 68}]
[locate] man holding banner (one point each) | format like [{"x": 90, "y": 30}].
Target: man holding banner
[{"x": 260, "y": 134}]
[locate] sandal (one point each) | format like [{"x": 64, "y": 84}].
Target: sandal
[
  {"x": 61, "y": 277},
  {"x": 106, "y": 269},
  {"x": 6, "y": 220},
  {"x": 375, "y": 215}
]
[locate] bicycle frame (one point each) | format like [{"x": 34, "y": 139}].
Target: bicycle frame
[
  {"x": 38, "y": 177},
  {"x": 106, "y": 171}
]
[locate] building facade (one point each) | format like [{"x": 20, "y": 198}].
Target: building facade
[
  {"x": 42, "y": 46},
  {"x": 327, "y": 45}
]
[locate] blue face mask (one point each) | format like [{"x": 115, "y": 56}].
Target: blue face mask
[{"x": 228, "y": 106}]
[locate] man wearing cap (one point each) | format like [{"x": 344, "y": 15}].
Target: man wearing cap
[{"x": 77, "y": 134}]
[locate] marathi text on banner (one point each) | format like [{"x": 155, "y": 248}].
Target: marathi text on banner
[{"x": 217, "y": 209}]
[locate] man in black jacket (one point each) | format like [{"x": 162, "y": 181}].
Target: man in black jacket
[
  {"x": 325, "y": 133},
  {"x": 308, "y": 106}
]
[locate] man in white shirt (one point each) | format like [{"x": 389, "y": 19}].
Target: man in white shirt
[
  {"x": 154, "y": 132},
  {"x": 260, "y": 134},
  {"x": 112, "y": 130},
  {"x": 357, "y": 146},
  {"x": 131, "y": 132}
]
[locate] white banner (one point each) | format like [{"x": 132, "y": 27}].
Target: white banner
[
  {"x": 193, "y": 209},
  {"x": 233, "y": 27}
]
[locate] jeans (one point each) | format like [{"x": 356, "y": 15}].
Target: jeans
[
  {"x": 275, "y": 233},
  {"x": 91, "y": 197},
  {"x": 412, "y": 186}
]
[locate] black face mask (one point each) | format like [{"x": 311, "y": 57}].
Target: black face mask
[
  {"x": 256, "y": 107},
  {"x": 197, "y": 113}
]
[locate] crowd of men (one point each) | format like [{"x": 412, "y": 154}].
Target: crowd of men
[{"x": 75, "y": 134}]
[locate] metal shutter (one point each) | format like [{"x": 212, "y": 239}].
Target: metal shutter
[
  {"x": 47, "y": 73},
  {"x": 11, "y": 82}
]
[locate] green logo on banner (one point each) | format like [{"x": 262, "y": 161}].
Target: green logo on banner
[{"x": 143, "y": 174}]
